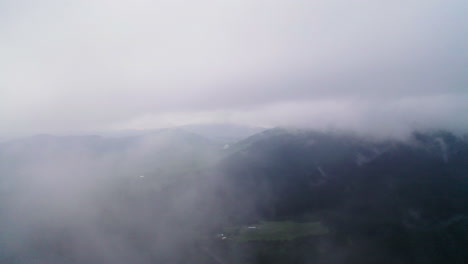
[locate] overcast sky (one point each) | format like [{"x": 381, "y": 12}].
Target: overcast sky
[{"x": 77, "y": 66}]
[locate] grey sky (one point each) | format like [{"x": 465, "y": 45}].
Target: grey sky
[{"x": 74, "y": 66}]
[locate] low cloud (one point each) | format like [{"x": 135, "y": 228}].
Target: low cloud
[{"x": 87, "y": 66}]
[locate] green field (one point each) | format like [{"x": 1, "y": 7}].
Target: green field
[{"x": 276, "y": 231}]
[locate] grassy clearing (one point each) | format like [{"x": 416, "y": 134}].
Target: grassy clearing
[{"x": 277, "y": 231}]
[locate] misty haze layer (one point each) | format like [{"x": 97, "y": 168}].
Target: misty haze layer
[
  {"x": 233, "y": 131},
  {"x": 174, "y": 196},
  {"x": 372, "y": 66}
]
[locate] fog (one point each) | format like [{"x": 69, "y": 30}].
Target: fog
[
  {"x": 171, "y": 196},
  {"x": 103, "y": 200},
  {"x": 87, "y": 66},
  {"x": 131, "y": 131}
]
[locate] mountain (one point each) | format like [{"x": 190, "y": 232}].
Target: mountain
[
  {"x": 70, "y": 190},
  {"x": 224, "y": 133},
  {"x": 387, "y": 201},
  {"x": 278, "y": 196},
  {"x": 291, "y": 164},
  {"x": 220, "y": 132}
]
